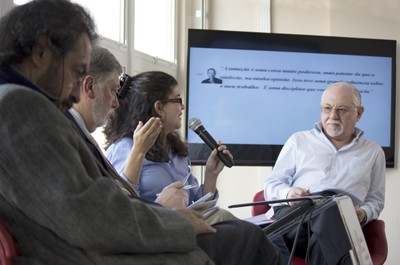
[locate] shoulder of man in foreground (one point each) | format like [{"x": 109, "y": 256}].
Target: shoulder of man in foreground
[{"x": 54, "y": 171}]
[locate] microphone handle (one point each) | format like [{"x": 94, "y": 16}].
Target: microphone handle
[{"x": 209, "y": 140}]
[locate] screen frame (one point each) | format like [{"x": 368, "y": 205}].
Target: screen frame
[{"x": 267, "y": 154}]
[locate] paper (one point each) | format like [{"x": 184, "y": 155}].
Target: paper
[
  {"x": 203, "y": 202},
  {"x": 259, "y": 219},
  {"x": 324, "y": 187},
  {"x": 208, "y": 212}
]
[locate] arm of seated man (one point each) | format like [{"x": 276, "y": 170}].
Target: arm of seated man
[
  {"x": 197, "y": 221},
  {"x": 297, "y": 192}
]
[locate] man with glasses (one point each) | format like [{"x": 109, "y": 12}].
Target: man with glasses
[
  {"x": 99, "y": 90},
  {"x": 333, "y": 155}
]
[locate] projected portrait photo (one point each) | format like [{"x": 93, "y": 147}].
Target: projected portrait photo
[{"x": 211, "y": 77}]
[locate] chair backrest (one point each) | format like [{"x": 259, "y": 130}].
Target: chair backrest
[{"x": 7, "y": 246}]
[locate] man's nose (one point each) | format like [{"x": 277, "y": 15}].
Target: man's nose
[{"x": 334, "y": 113}]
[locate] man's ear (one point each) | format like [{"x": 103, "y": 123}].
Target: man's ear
[
  {"x": 87, "y": 87},
  {"x": 40, "y": 52},
  {"x": 360, "y": 111}
]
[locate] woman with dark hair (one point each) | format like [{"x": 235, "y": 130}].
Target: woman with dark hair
[
  {"x": 152, "y": 97},
  {"x": 143, "y": 98}
]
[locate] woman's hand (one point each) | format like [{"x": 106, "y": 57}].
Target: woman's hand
[
  {"x": 145, "y": 135},
  {"x": 214, "y": 166}
]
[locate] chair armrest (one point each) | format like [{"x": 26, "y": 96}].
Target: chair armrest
[
  {"x": 259, "y": 209},
  {"x": 375, "y": 238}
]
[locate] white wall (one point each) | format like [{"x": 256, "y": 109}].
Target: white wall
[
  {"x": 5, "y": 6},
  {"x": 348, "y": 18}
]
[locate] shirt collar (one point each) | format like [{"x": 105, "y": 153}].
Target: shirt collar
[
  {"x": 9, "y": 74},
  {"x": 81, "y": 123},
  {"x": 357, "y": 131}
]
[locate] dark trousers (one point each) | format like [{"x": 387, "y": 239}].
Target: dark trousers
[
  {"x": 327, "y": 239},
  {"x": 237, "y": 243}
]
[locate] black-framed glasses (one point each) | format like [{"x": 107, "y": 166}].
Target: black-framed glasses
[{"x": 173, "y": 100}]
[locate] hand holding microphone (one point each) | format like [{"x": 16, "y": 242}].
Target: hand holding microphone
[{"x": 196, "y": 126}]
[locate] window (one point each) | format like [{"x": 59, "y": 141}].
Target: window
[
  {"x": 154, "y": 31},
  {"x": 21, "y": 2},
  {"x": 109, "y": 17}
]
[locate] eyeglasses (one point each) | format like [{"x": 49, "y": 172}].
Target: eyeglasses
[
  {"x": 173, "y": 100},
  {"x": 341, "y": 111}
]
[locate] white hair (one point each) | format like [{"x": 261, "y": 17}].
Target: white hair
[{"x": 356, "y": 94}]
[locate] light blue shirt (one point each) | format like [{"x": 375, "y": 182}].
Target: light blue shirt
[
  {"x": 155, "y": 175},
  {"x": 309, "y": 160}
]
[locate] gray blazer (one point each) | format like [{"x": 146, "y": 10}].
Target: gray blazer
[{"x": 61, "y": 210}]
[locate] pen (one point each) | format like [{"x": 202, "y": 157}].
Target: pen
[
  {"x": 187, "y": 187},
  {"x": 186, "y": 178}
]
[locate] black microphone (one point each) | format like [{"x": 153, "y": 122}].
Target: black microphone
[
  {"x": 196, "y": 126},
  {"x": 296, "y": 199}
]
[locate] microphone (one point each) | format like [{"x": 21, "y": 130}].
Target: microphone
[
  {"x": 303, "y": 198},
  {"x": 196, "y": 126}
]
